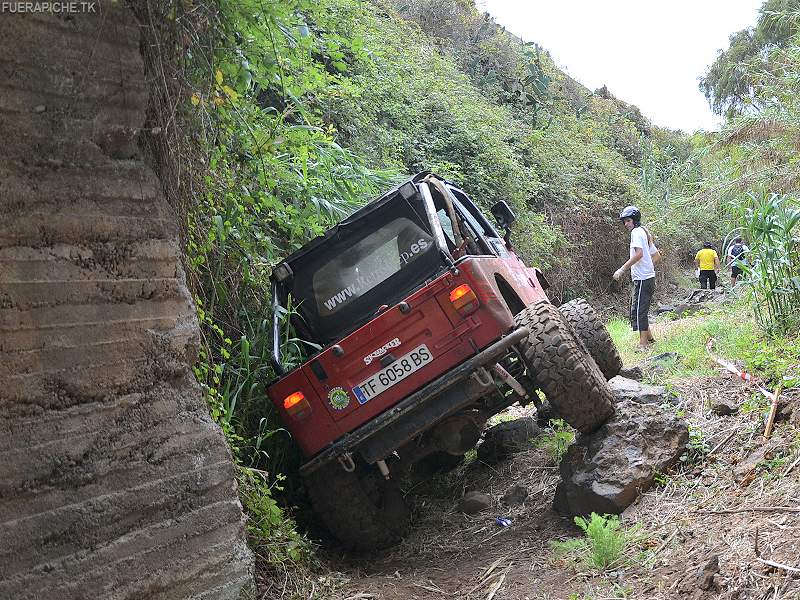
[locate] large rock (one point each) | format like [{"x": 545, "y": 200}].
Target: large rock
[
  {"x": 642, "y": 393},
  {"x": 506, "y": 438},
  {"x": 659, "y": 363},
  {"x": 516, "y": 495},
  {"x": 632, "y": 372},
  {"x": 604, "y": 472},
  {"x": 474, "y": 502},
  {"x": 723, "y": 405}
]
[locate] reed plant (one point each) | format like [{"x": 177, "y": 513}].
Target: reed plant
[{"x": 772, "y": 266}]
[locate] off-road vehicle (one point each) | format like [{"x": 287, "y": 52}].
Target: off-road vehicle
[{"x": 428, "y": 323}]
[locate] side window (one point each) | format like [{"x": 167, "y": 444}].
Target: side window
[
  {"x": 485, "y": 228},
  {"x": 447, "y": 227}
]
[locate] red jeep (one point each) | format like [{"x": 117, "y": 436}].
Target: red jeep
[{"x": 428, "y": 324}]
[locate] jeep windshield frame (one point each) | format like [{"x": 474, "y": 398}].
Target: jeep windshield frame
[{"x": 374, "y": 258}]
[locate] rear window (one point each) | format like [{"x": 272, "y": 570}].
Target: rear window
[
  {"x": 377, "y": 256},
  {"x": 362, "y": 267}
]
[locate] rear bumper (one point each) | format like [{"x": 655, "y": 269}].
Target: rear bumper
[{"x": 417, "y": 412}]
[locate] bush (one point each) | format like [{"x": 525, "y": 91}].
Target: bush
[{"x": 604, "y": 544}]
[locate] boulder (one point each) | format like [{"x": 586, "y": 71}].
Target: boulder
[
  {"x": 642, "y": 393},
  {"x": 795, "y": 418},
  {"x": 504, "y": 439},
  {"x": 474, "y": 502},
  {"x": 700, "y": 296},
  {"x": 723, "y": 405},
  {"x": 664, "y": 308},
  {"x": 604, "y": 472},
  {"x": 785, "y": 409},
  {"x": 684, "y": 309},
  {"x": 516, "y": 495},
  {"x": 658, "y": 363},
  {"x": 633, "y": 372}
]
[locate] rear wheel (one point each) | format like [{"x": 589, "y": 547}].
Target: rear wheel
[
  {"x": 572, "y": 382},
  {"x": 589, "y": 329},
  {"x": 361, "y": 509}
]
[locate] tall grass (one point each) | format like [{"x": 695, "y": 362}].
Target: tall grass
[{"x": 772, "y": 267}]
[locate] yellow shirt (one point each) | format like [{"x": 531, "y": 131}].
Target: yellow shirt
[{"x": 706, "y": 258}]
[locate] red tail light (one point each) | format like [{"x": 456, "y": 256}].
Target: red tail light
[
  {"x": 296, "y": 405},
  {"x": 464, "y": 300}
]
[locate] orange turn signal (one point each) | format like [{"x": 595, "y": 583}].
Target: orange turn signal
[
  {"x": 293, "y": 399},
  {"x": 297, "y": 406},
  {"x": 464, "y": 300}
]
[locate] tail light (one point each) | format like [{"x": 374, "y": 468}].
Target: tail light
[
  {"x": 296, "y": 405},
  {"x": 464, "y": 300}
]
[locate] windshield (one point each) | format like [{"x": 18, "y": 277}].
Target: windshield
[{"x": 376, "y": 257}]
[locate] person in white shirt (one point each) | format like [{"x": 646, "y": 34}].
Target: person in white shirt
[{"x": 643, "y": 256}]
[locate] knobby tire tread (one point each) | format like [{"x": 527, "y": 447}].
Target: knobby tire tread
[
  {"x": 571, "y": 380},
  {"x": 589, "y": 328}
]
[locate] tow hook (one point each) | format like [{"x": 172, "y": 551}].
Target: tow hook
[
  {"x": 346, "y": 460},
  {"x": 482, "y": 377},
  {"x": 510, "y": 381}
]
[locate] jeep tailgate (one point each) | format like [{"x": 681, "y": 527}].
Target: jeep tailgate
[{"x": 382, "y": 362}]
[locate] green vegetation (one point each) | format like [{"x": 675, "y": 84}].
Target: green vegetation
[
  {"x": 736, "y": 337},
  {"x": 556, "y": 439},
  {"x": 604, "y": 543},
  {"x": 772, "y": 271},
  {"x": 731, "y": 81}
]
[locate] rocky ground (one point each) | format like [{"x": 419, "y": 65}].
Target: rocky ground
[{"x": 723, "y": 522}]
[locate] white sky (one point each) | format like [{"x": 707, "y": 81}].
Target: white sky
[{"x": 649, "y": 53}]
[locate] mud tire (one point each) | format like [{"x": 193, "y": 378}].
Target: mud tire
[
  {"x": 589, "y": 328},
  {"x": 569, "y": 378},
  {"x": 361, "y": 509}
]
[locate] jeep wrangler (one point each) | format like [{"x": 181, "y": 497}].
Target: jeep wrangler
[{"x": 428, "y": 324}]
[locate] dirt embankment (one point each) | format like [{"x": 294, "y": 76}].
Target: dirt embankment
[{"x": 114, "y": 483}]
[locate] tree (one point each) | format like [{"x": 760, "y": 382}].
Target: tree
[{"x": 729, "y": 82}]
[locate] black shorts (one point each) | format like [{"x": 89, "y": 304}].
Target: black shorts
[
  {"x": 640, "y": 303},
  {"x": 735, "y": 271}
]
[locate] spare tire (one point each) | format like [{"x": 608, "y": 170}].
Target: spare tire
[
  {"x": 589, "y": 328},
  {"x": 361, "y": 509},
  {"x": 561, "y": 368}
]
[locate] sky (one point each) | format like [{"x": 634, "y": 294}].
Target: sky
[{"x": 649, "y": 53}]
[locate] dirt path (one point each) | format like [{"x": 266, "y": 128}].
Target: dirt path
[{"x": 451, "y": 555}]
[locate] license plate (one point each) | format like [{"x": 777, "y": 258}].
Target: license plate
[{"x": 392, "y": 374}]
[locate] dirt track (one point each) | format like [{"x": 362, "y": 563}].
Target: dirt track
[{"x": 451, "y": 555}]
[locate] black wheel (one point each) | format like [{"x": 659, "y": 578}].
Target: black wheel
[
  {"x": 569, "y": 378},
  {"x": 361, "y": 509},
  {"x": 586, "y": 324}
]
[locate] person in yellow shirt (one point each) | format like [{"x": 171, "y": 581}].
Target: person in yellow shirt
[{"x": 707, "y": 261}]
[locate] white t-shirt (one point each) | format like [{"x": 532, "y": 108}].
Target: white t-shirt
[{"x": 643, "y": 269}]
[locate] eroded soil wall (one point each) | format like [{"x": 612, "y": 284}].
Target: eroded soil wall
[{"x": 114, "y": 482}]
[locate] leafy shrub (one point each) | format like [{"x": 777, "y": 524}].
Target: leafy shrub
[
  {"x": 604, "y": 544},
  {"x": 772, "y": 267},
  {"x": 556, "y": 439}
]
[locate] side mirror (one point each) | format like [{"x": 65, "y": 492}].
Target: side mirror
[{"x": 503, "y": 214}]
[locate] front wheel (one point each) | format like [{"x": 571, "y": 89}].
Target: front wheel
[
  {"x": 361, "y": 509},
  {"x": 556, "y": 360},
  {"x": 589, "y": 329}
]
